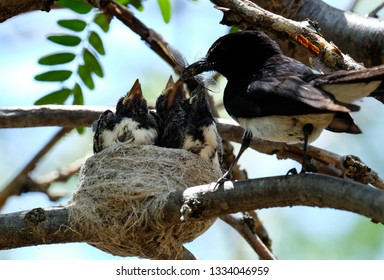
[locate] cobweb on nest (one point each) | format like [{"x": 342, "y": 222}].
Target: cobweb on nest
[{"x": 121, "y": 187}]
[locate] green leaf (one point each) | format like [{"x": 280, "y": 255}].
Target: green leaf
[
  {"x": 123, "y": 2},
  {"x": 92, "y": 63},
  {"x": 165, "y": 8},
  {"x": 80, "y": 130},
  {"x": 86, "y": 76},
  {"x": 137, "y": 4},
  {"x": 101, "y": 20},
  {"x": 78, "y": 6},
  {"x": 234, "y": 29},
  {"x": 96, "y": 42},
  {"x": 54, "y": 76},
  {"x": 57, "y": 58},
  {"x": 56, "y": 97},
  {"x": 73, "y": 24},
  {"x": 78, "y": 98},
  {"x": 65, "y": 40}
]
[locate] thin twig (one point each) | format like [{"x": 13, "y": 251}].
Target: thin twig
[
  {"x": 42, "y": 184},
  {"x": 20, "y": 183},
  {"x": 154, "y": 40},
  {"x": 252, "y": 238},
  {"x": 256, "y": 226}
]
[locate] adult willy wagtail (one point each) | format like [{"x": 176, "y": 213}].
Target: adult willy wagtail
[
  {"x": 278, "y": 98},
  {"x": 133, "y": 122}
]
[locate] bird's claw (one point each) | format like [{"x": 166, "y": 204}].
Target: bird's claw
[
  {"x": 222, "y": 180},
  {"x": 292, "y": 171}
]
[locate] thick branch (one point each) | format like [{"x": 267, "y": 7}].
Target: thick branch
[
  {"x": 10, "y": 8},
  {"x": 248, "y": 15},
  {"x": 36, "y": 227},
  {"x": 83, "y": 116},
  {"x": 315, "y": 190},
  {"x": 360, "y": 37},
  {"x": 50, "y": 226},
  {"x": 154, "y": 40},
  {"x": 50, "y": 115}
]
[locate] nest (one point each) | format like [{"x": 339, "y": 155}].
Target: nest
[{"x": 119, "y": 188}]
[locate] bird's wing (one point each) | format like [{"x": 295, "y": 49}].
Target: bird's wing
[
  {"x": 293, "y": 87},
  {"x": 284, "y": 95},
  {"x": 343, "y": 122},
  {"x": 347, "y": 86}
]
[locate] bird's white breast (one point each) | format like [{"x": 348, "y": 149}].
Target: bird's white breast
[
  {"x": 207, "y": 149},
  {"x": 129, "y": 130},
  {"x": 287, "y": 129}
]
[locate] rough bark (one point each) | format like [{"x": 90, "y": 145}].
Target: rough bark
[
  {"x": 82, "y": 116},
  {"x": 10, "y": 8},
  {"x": 360, "y": 37},
  {"x": 39, "y": 226}
]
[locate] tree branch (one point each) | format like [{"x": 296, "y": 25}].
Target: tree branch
[
  {"x": 154, "y": 40},
  {"x": 50, "y": 226},
  {"x": 10, "y": 8},
  {"x": 82, "y": 116},
  {"x": 22, "y": 182},
  {"x": 36, "y": 227},
  {"x": 50, "y": 115},
  {"x": 321, "y": 160},
  {"x": 247, "y": 15},
  {"x": 359, "y": 36},
  {"x": 251, "y": 237}
]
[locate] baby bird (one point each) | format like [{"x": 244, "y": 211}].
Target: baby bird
[
  {"x": 169, "y": 109},
  {"x": 201, "y": 136},
  {"x": 133, "y": 122}
]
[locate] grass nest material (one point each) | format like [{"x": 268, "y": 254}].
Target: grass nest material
[{"x": 121, "y": 186}]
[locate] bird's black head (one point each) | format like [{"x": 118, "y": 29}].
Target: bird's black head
[
  {"x": 235, "y": 54},
  {"x": 106, "y": 121},
  {"x": 171, "y": 98},
  {"x": 197, "y": 106},
  {"x": 133, "y": 104}
]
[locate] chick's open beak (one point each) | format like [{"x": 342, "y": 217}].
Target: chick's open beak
[
  {"x": 134, "y": 94},
  {"x": 177, "y": 90}
]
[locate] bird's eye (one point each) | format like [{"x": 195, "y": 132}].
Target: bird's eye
[{"x": 121, "y": 138}]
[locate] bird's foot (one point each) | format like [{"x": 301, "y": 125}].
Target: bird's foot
[
  {"x": 223, "y": 179},
  {"x": 292, "y": 171}
]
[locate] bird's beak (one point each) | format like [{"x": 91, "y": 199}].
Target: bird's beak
[
  {"x": 134, "y": 93},
  {"x": 196, "y": 68},
  {"x": 177, "y": 89},
  {"x": 170, "y": 83}
]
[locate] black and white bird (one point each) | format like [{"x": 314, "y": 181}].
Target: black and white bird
[
  {"x": 187, "y": 123},
  {"x": 169, "y": 109},
  {"x": 133, "y": 122},
  {"x": 278, "y": 98},
  {"x": 201, "y": 136}
]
